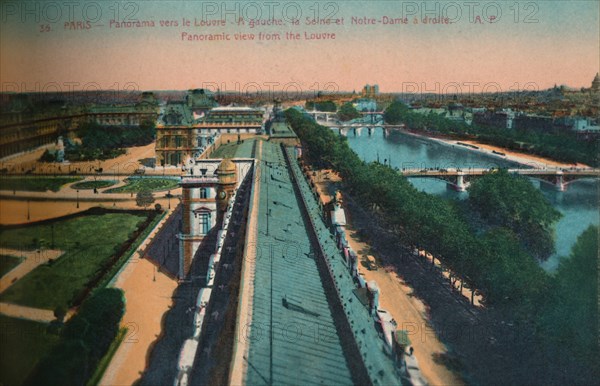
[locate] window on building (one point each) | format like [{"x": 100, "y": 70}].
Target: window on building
[
  {"x": 203, "y": 193},
  {"x": 204, "y": 222}
]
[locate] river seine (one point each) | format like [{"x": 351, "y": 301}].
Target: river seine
[{"x": 579, "y": 204}]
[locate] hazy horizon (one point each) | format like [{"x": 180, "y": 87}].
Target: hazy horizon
[{"x": 529, "y": 45}]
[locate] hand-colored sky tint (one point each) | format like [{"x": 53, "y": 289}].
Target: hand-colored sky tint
[{"x": 546, "y": 42}]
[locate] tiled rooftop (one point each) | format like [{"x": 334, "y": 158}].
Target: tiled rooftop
[
  {"x": 176, "y": 114},
  {"x": 281, "y": 129},
  {"x": 294, "y": 339},
  {"x": 245, "y": 149},
  {"x": 180, "y": 114}
]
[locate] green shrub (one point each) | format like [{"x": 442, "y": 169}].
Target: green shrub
[{"x": 84, "y": 341}]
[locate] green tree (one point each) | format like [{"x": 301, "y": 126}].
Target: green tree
[
  {"x": 347, "y": 112},
  {"x": 395, "y": 113},
  {"x": 148, "y": 128},
  {"x": 328, "y": 106},
  {"x": 95, "y": 136},
  {"x": 509, "y": 274},
  {"x": 144, "y": 198},
  {"x": 59, "y": 313},
  {"x": 512, "y": 201},
  {"x": 84, "y": 341},
  {"x": 570, "y": 317}
]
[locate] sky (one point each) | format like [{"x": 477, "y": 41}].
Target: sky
[{"x": 475, "y": 46}]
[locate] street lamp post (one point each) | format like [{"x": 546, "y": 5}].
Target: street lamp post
[
  {"x": 77, "y": 198},
  {"x": 169, "y": 197}
]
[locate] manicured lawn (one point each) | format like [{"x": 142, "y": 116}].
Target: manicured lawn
[
  {"x": 23, "y": 344},
  {"x": 135, "y": 185},
  {"x": 7, "y": 263},
  {"x": 88, "y": 242},
  {"x": 93, "y": 184},
  {"x": 35, "y": 183}
]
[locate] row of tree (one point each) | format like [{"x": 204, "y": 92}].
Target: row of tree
[
  {"x": 328, "y": 106},
  {"x": 565, "y": 147},
  {"x": 84, "y": 340},
  {"x": 104, "y": 142},
  {"x": 495, "y": 264},
  {"x": 346, "y": 112},
  {"x": 94, "y": 135},
  {"x": 399, "y": 113},
  {"x": 499, "y": 261}
]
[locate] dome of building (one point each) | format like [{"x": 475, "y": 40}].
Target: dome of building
[{"x": 227, "y": 172}]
